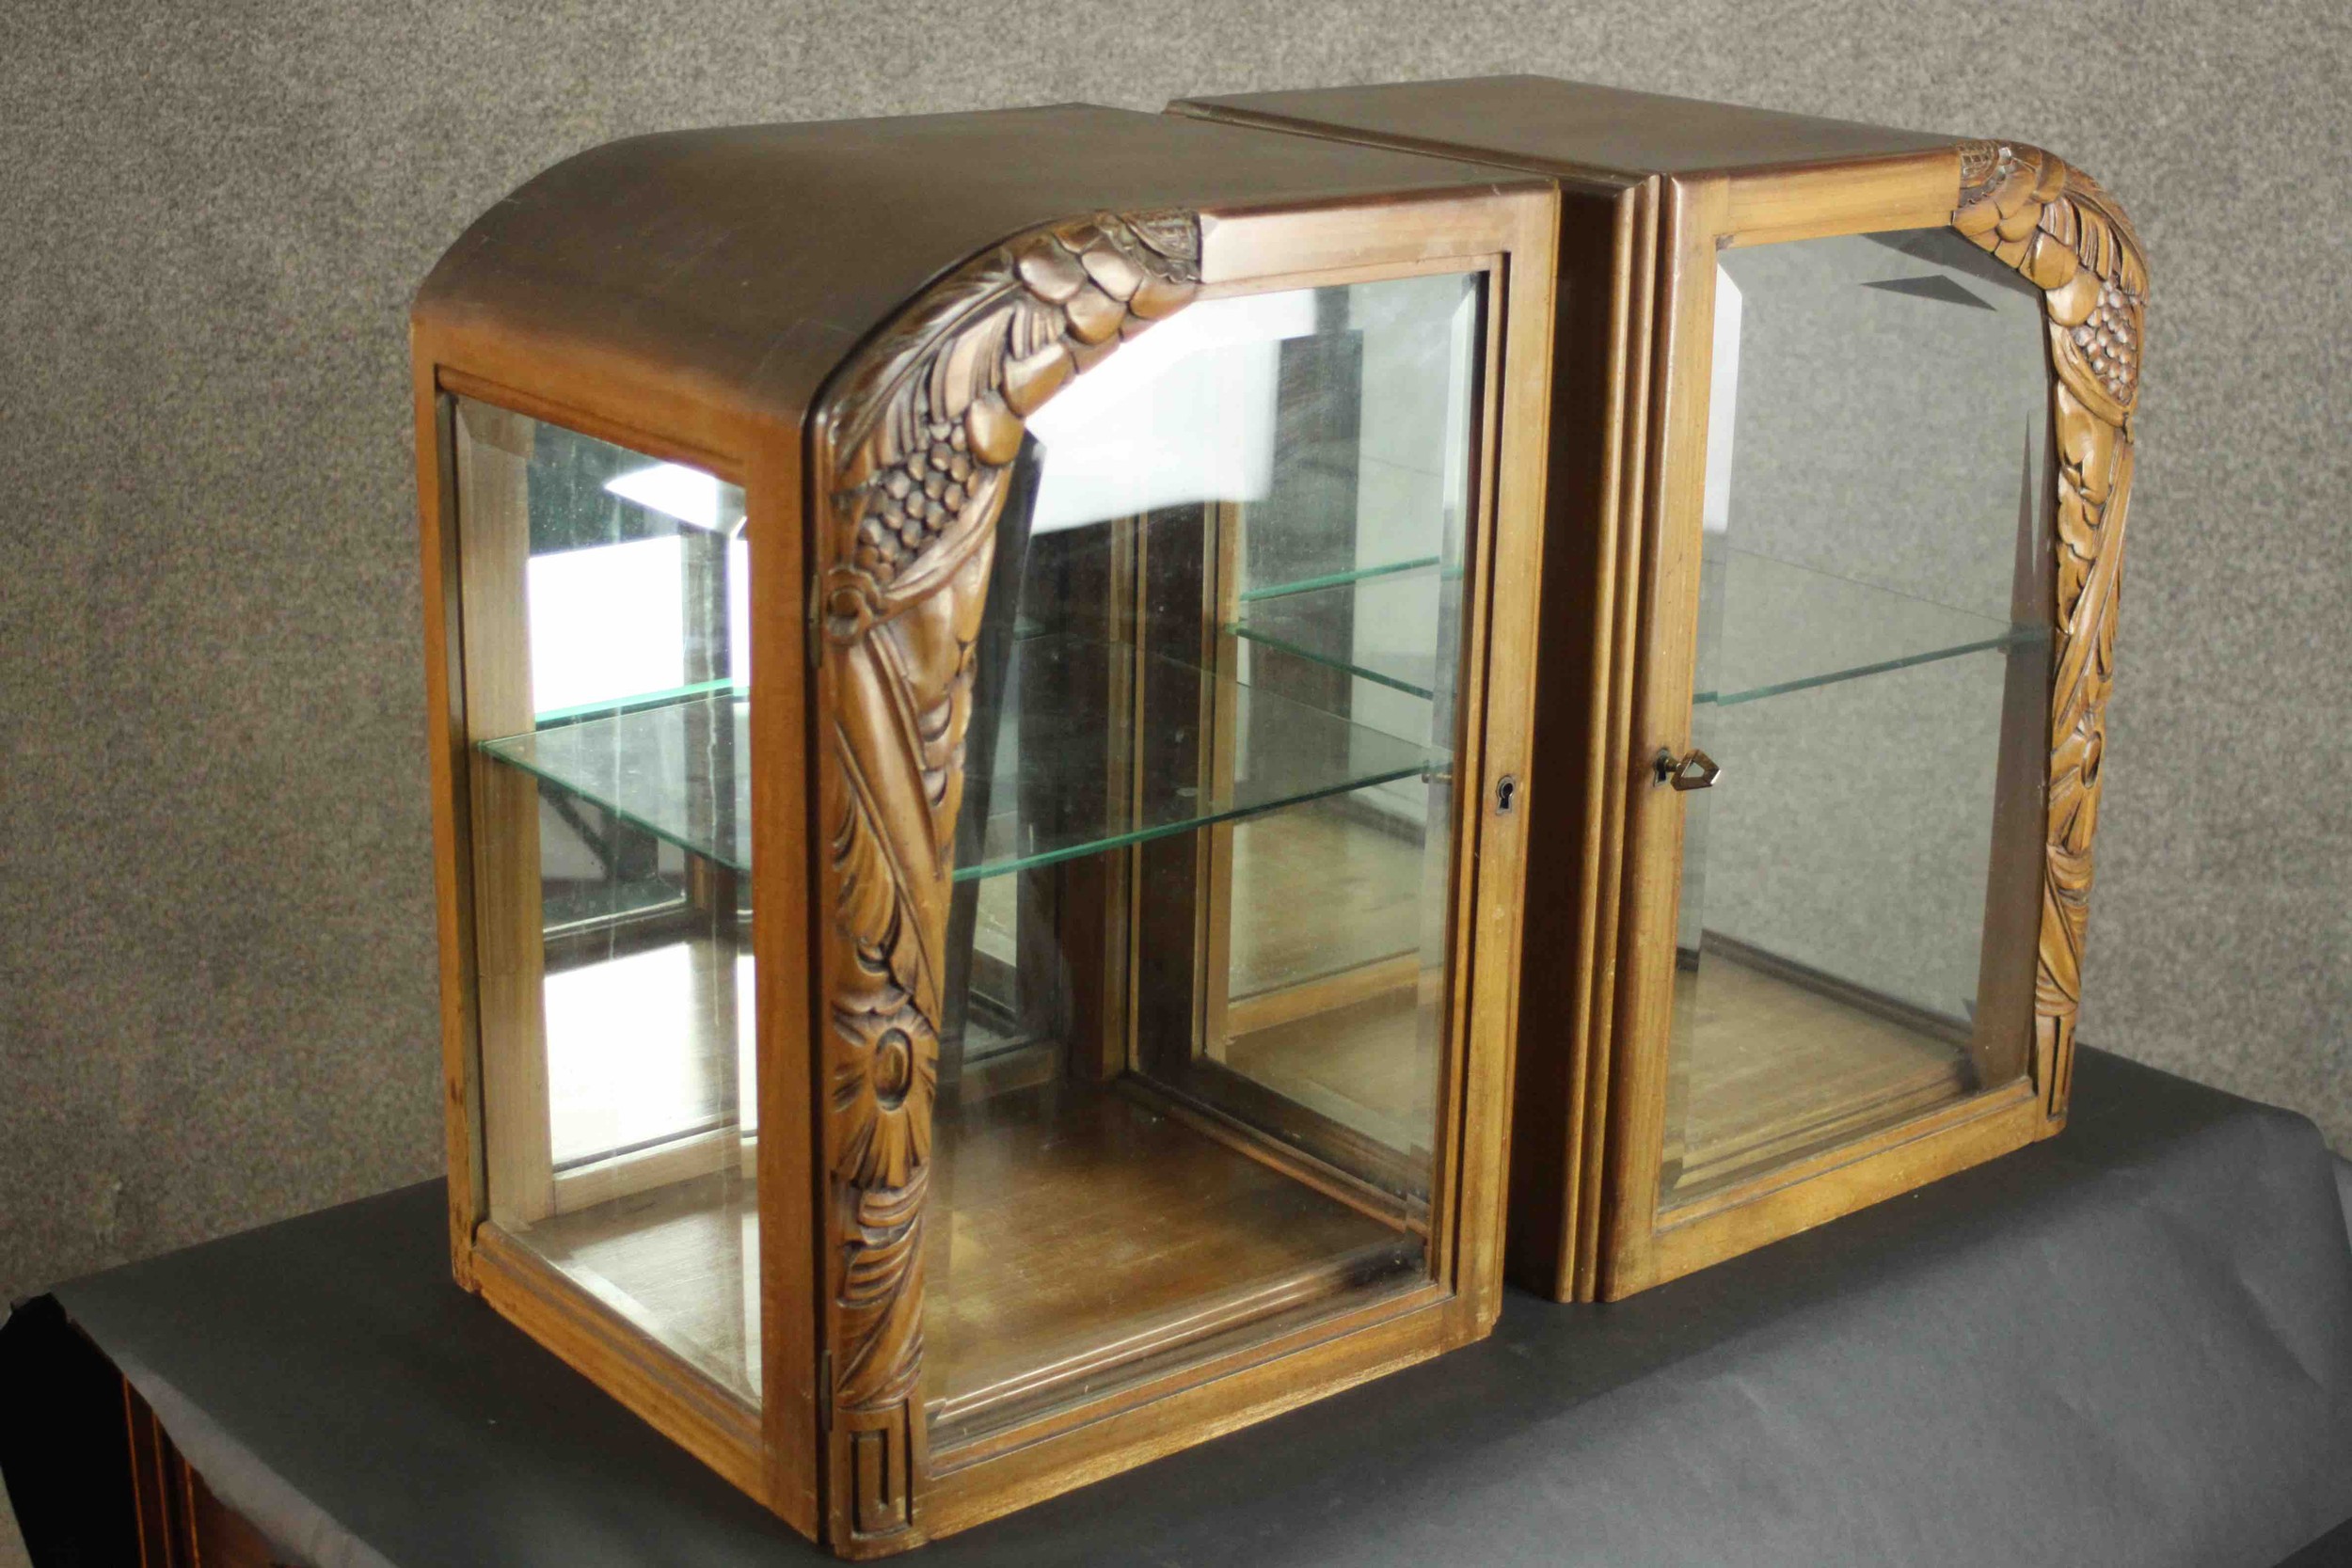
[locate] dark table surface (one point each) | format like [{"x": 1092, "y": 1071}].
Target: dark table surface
[{"x": 2131, "y": 1344}]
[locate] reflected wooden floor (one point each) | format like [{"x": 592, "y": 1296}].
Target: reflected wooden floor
[
  {"x": 1076, "y": 1234},
  {"x": 1320, "y": 856},
  {"x": 679, "y": 1261},
  {"x": 1768, "y": 1069},
  {"x": 1364, "y": 1065},
  {"x": 1087, "y": 1233}
]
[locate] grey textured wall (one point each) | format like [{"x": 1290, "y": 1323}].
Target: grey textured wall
[{"x": 216, "y": 956}]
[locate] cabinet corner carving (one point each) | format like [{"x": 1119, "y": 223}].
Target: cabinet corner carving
[
  {"x": 913, "y": 447},
  {"x": 2072, "y": 240}
]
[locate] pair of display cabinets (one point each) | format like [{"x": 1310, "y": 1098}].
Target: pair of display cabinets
[{"x": 1067, "y": 740}]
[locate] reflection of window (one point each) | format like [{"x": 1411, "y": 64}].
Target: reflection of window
[
  {"x": 1185, "y": 413},
  {"x": 739, "y": 614},
  {"x": 1723, "y": 404},
  {"x": 607, "y": 623},
  {"x": 693, "y": 497},
  {"x": 635, "y": 1056},
  {"x": 620, "y": 596}
]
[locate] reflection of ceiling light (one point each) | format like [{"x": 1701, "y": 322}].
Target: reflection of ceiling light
[{"x": 687, "y": 495}]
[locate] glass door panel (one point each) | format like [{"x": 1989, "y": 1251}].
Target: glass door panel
[
  {"x": 1860, "y": 886},
  {"x": 1196, "y": 1008}
]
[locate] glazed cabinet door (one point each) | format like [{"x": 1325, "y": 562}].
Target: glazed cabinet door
[
  {"x": 1144, "y": 681},
  {"x": 1878, "y": 573},
  {"x": 1862, "y": 791},
  {"x": 1204, "y": 868}
]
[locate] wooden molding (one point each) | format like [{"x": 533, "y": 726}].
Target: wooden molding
[
  {"x": 1913, "y": 190},
  {"x": 2070, "y": 239},
  {"x": 913, "y": 443},
  {"x": 491, "y": 462}
]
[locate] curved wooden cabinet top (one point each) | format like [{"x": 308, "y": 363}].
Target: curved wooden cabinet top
[
  {"x": 736, "y": 268},
  {"x": 1566, "y": 127}
]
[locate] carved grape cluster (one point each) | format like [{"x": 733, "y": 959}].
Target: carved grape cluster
[
  {"x": 929, "y": 421},
  {"x": 913, "y": 503},
  {"x": 2110, "y": 343},
  {"x": 2069, "y": 239}
]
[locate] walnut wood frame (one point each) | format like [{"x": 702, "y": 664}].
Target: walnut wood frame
[
  {"x": 859, "y": 700},
  {"x": 1658, "y": 185}
]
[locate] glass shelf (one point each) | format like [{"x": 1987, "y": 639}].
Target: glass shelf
[
  {"x": 682, "y": 772},
  {"x": 1377, "y": 622},
  {"x": 1336, "y": 579},
  {"x": 670, "y": 770},
  {"x": 724, "y": 685},
  {"x": 1785, "y": 628}
]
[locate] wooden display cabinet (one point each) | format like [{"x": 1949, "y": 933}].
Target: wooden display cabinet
[
  {"x": 1841, "y": 454},
  {"x": 980, "y": 665}
]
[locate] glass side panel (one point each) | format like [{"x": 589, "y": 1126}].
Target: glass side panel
[
  {"x": 604, "y": 615},
  {"x": 1197, "y": 963},
  {"x": 1860, "y": 889}
]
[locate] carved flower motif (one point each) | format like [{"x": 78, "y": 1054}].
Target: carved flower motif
[{"x": 884, "y": 1082}]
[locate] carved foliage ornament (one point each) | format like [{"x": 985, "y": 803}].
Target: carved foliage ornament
[
  {"x": 917, "y": 438},
  {"x": 2067, "y": 237}
]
